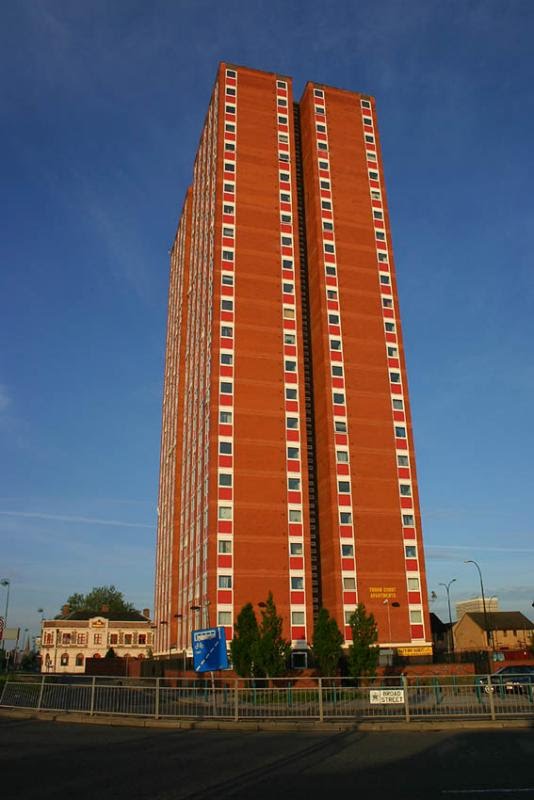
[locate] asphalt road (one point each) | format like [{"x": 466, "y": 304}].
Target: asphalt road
[{"x": 50, "y": 760}]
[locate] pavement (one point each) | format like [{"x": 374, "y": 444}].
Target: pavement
[{"x": 43, "y": 759}]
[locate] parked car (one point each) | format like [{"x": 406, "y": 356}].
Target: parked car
[{"x": 510, "y": 679}]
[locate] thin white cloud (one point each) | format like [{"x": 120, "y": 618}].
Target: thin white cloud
[
  {"x": 82, "y": 520},
  {"x": 477, "y": 547}
]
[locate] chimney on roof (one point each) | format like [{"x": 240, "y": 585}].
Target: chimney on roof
[
  {"x": 104, "y": 608},
  {"x": 65, "y": 610},
  {"x": 146, "y": 613}
]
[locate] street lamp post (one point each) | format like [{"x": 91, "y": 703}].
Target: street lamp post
[
  {"x": 489, "y": 639},
  {"x": 448, "y": 590},
  {"x": 7, "y": 583}
]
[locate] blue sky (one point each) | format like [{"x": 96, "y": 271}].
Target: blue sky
[{"x": 101, "y": 108}]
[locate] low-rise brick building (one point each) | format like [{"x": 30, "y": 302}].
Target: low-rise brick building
[
  {"x": 67, "y": 642},
  {"x": 509, "y": 630}
]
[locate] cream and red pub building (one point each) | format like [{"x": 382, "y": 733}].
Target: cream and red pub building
[{"x": 67, "y": 642}]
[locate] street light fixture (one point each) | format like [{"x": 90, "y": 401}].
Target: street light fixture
[
  {"x": 489, "y": 638},
  {"x": 7, "y": 583},
  {"x": 448, "y": 590}
]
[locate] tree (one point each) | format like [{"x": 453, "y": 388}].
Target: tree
[
  {"x": 363, "y": 655},
  {"x": 110, "y": 653},
  {"x": 272, "y": 650},
  {"x": 107, "y": 596},
  {"x": 327, "y": 641},
  {"x": 244, "y": 644}
]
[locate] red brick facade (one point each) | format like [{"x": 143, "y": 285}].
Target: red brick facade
[{"x": 261, "y": 489}]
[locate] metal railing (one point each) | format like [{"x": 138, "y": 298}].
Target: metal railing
[{"x": 396, "y": 698}]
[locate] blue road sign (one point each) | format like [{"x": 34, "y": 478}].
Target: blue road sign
[{"x": 209, "y": 649}]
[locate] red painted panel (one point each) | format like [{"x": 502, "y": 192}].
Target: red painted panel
[
  {"x": 339, "y": 411},
  {"x": 297, "y": 598},
  {"x": 417, "y": 631},
  {"x": 391, "y": 337},
  {"x": 228, "y": 291},
  {"x": 295, "y": 529},
  {"x": 348, "y": 634},
  {"x": 224, "y": 561},
  {"x": 224, "y": 596},
  {"x": 401, "y": 444},
  {"x": 345, "y": 531},
  {"x": 225, "y": 430},
  {"x": 225, "y": 399},
  {"x": 293, "y": 466},
  {"x": 294, "y": 497},
  {"x": 403, "y": 472},
  {"x": 290, "y": 350},
  {"x": 292, "y": 405},
  {"x": 225, "y": 493},
  {"x": 406, "y": 502},
  {"x": 411, "y": 565},
  {"x": 292, "y": 436},
  {"x": 298, "y": 632},
  {"x": 290, "y": 377},
  {"x": 349, "y": 597},
  {"x": 226, "y": 344},
  {"x": 227, "y": 316},
  {"x": 398, "y": 416},
  {"x": 409, "y": 533},
  {"x": 414, "y": 597},
  {"x": 225, "y": 461},
  {"x": 336, "y": 355},
  {"x": 347, "y": 564},
  {"x": 341, "y": 438},
  {"x": 342, "y": 469},
  {"x": 224, "y": 525},
  {"x": 393, "y": 362},
  {"x": 229, "y": 634},
  {"x": 226, "y": 371},
  {"x": 338, "y": 383},
  {"x": 296, "y": 563}
]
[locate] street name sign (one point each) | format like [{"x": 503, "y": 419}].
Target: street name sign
[{"x": 386, "y": 696}]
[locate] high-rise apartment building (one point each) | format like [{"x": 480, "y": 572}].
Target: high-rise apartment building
[{"x": 287, "y": 461}]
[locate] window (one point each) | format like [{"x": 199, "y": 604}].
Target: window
[
  {"x": 229, "y": 127},
  {"x": 228, "y": 255},
  {"x": 282, "y": 101},
  {"x": 229, "y": 166},
  {"x": 79, "y": 660},
  {"x": 383, "y": 257},
  {"x": 229, "y": 147},
  {"x": 290, "y": 366},
  {"x": 225, "y": 417},
  {"x": 321, "y": 127},
  {"x": 225, "y": 448},
  {"x": 224, "y": 546},
  {"x": 342, "y": 456},
  {"x": 398, "y": 404},
  {"x": 227, "y": 331},
  {"x": 375, "y": 194},
  {"x": 281, "y": 84},
  {"x": 407, "y": 519},
  {"x": 230, "y": 109},
  {"x": 231, "y": 73},
  {"x": 224, "y": 617},
  {"x": 380, "y": 235},
  {"x": 377, "y": 214},
  {"x": 367, "y": 121},
  {"x": 293, "y": 452},
  {"x": 284, "y": 176},
  {"x": 292, "y": 422},
  {"x": 390, "y": 327},
  {"x": 335, "y": 344},
  {"x": 225, "y": 479},
  {"x": 403, "y": 461},
  {"x": 410, "y": 551},
  {"x": 295, "y": 548},
  {"x": 328, "y": 226},
  {"x": 284, "y": 138},
  {"x": 289, "y": 313},
  {"x": 287, "y": 263},
  {"x": 226, "y": 358},
  {"x": 405, "y": 490},
  {"x": 297, "y": 617},
  {"x": 329, "y": 248},
  {"x": 323, "y": 164},
  {"x": 113, "y": 638},
  {"x": 297, "y": 583},
  {"x": 225, "y": 582},
  {"x": 387, "y": 302},
  {"x": 228, "y": 209},
  {"x": 343, "y": 487},
  {"x": 227, "y": 280},
  {"x": 393, "y": 352},
  {"x": 340, "y": 426},
  {"x": 227, "y": 305},
  {"x": 225, "y": 512},
  {"x": 285, "y": 218},
  {"x": 226, "y": 388},
  {"x": 400, "y": 431},
  {"x": 331, "y": 294},
  {"x": 288, "y": 288},
  {"x": 324, "y": 184},
  {"x": 229, "y": 188},
  {"x": 333, "y": 319},
  {"x": 141, "y": 639},
  {"x": 416, "y": 617},
  {"x": 65, "y": 639},
  {"x": 339, "y": 398},
  {"x": 337, "y": 371},
  {"x": 293, "y": 484},
  {"x": 287, "y": 241},
  {"x": 369, "y": 138},
  {"x": 347, "y": 550},
  {"x": 373, "y": 175},
  {"x": 413, "y": 584},
  {"x": 384, "y": 280},
  {"x": 326, "y": 205},
  {"x": 228, "y": 232},
  {"x": 348, "y": 617},
  {"x": 394, "y": 377},
  {"x": 97, "y": 638},
  {"x": 345, "y": 517},
  {"x": 322, "y": 146},
  {"x": 291, "y": 394},
  {"x": 319, "y": 109},
  {"x": 318, "y": 93},
  {"x": 295, "y": 515},
  {"x": 64, "y": 661},
  {"x": 349, "y": 583},
  {"x": 282, "y": 119},
  {"x": 289, "y": 338}
]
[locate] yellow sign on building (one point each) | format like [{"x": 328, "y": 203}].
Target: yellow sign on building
[{"x": 414, "y": 651}]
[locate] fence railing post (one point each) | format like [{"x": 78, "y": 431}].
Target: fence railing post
[
  {"x": 92, "y": 704},
  {"x": 236, "y": 700},
  {"x": 406, "y": 698},
  {"x": 41, "y": 690},
  {"x": 321, "y": 708},
  {"x": 491, "y": 698},
  {"x": 156, "y": 703}
]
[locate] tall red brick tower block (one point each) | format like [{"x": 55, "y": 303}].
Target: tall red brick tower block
[{"x": 287, "y": 461}]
